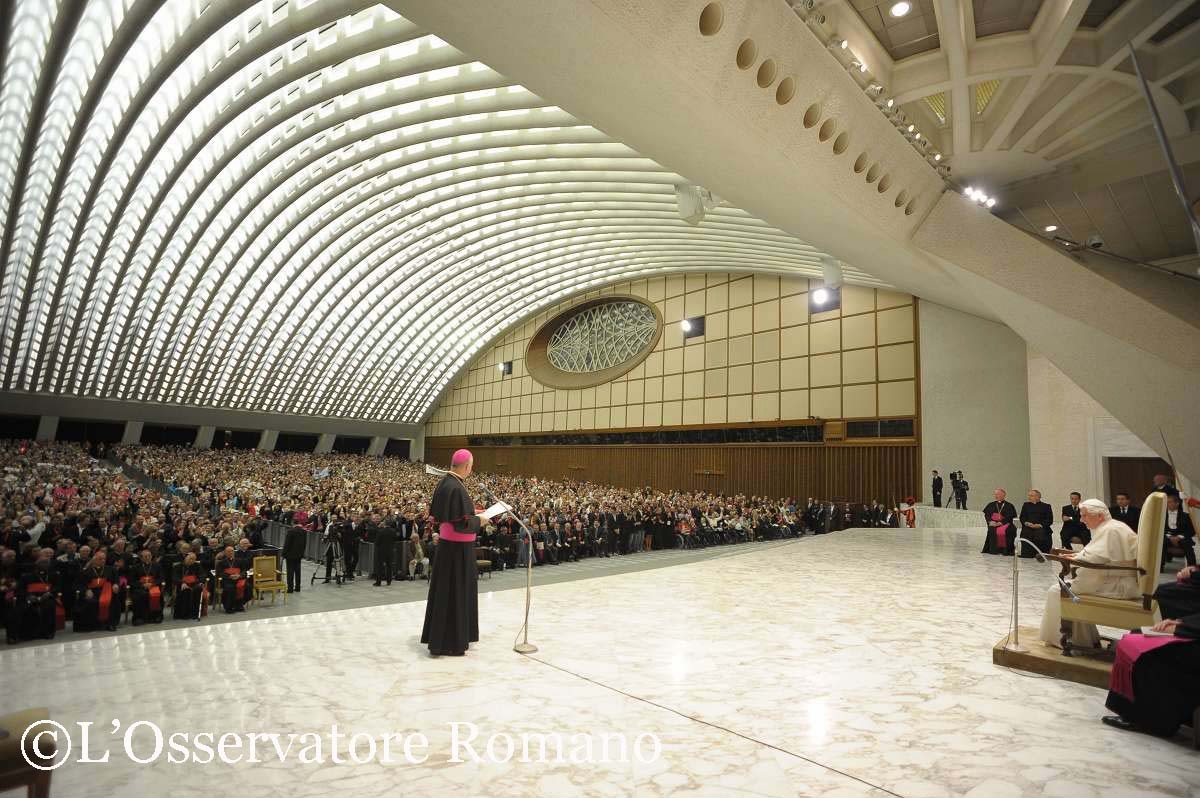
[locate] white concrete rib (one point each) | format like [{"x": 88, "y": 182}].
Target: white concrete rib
[{"x": 304, "y": 207}]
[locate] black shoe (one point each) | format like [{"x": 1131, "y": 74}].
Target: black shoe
[
  {"x": 325, "y": 582},
  {"x": 1118, "y": 722},
  {"x": 374, "y": 584}
]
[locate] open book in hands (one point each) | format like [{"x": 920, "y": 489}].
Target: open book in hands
[
  {"x": 1148, "y": 631},
  {"x": 499, "y": 508}
]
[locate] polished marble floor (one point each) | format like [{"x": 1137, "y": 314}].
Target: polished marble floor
[{"x": 855, "y": 664}]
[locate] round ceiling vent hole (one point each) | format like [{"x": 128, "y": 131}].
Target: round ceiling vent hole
[
  {"x": 766, "y": 73},
  {"x": 711, "y": 19},
  {"x": 785, "y": 91},
  {"x": 812, "y": 115},
  {"x": 747, "y": 54}
]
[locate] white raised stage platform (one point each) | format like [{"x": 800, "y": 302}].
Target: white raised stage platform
[
  {"x": 930, "y": 517},
  {"x": 853, "y": 664}
]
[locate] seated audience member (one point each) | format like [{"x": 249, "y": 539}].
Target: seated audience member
[
  {"x": 232, "y": 581},
  {"x": 1112, "y": 543},
  {"x": 1163, "y": 485},
  {"x": 1179, "y": 531},
  {"x": 1126, "y": 512},
  {"x": 1037, "y": 519},
  {"x": 190, "y": 589},
  {"x": 1182, "y": 597},
  {"x": 1073, "y": 529},
  {"x": 98, "y": 597},
  {"x": 35, "y": 608},
  {"x": 416, "y": 557},
  {"x": 1152, "y": 686},
  {"x": 999, "y": 515},
  {"x": 146, "y": 589}
]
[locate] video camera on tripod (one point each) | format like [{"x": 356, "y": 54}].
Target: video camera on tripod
[{"x": 335, "y": 566}]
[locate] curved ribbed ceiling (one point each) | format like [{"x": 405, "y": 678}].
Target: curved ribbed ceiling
[{"x": 302, "y": 207}]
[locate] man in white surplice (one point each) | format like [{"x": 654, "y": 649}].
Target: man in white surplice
[{"x": 1113, "y": 543}]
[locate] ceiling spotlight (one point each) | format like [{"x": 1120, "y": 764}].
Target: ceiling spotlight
[
  {"x": 991, "y": 202},
  {"x": 911, "y": 128},
  {"x": 500, "y": 366},
  {"x": 937, "y": 156},
  {"x": 900, "y": 9},
  {"x": 685, "y": 325},
  {"x": 862, "y": 67},
  {"x": 1050, "y": 228},
  {"x": 969, "y": 193},
  {"x": 839, "y": 44},
  {"x": 820, "y": 296}
]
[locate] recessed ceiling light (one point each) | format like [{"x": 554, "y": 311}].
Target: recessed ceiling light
[
  {"x": 1050, "y": 228},
  {"x": 900, "y": 9},
  {"x": 686, "y": 325},
  {"x": 820, "y": 296}
]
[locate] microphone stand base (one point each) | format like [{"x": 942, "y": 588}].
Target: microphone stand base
[
  {"x": 1016, "y": 648},
  {"x": 525, "y": 648}
]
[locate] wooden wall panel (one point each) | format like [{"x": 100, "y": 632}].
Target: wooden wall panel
[{"x": 842, "y": 472}]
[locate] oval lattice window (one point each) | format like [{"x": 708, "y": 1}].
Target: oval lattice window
[{"x": 593, "y": 342}]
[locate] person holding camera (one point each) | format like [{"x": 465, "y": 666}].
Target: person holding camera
[
  {"x": 351, "y": 534},
  {"x": 960, "y": 487},
  {"x": 332, "y": 541}
]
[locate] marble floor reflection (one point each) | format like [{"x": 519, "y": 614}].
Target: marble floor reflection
[{"x": 856, "y": 664}]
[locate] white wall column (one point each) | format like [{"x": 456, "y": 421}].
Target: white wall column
[
  {"x": 416, "y": 446},
  {"x": 133, "y": 432},
  {"x": 1072, "y": 435},
  {"x": 378, "y": 444},
  {"x": 266, "y": 441},
  {"x": 47, "y": 428},
  {"x": 204, "y": 438},
  {"x": 974, "y": 407},
  {"x": 325, "y": 443}
]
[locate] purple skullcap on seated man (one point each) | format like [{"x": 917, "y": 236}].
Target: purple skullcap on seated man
[{"x": 460, "y": 457}]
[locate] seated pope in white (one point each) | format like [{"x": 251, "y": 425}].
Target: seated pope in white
[{"x": 1113, "y": 543}]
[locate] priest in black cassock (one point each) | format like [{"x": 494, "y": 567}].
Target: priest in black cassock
[
  {"x": 1001, "y": 531},
  {"x": 1150, "y": 687},
  {"x": 452, "y": 611},
  {"x": 1037, "y": 519}
]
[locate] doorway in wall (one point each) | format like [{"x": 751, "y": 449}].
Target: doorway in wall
[{"x": 1134, "y": 475}]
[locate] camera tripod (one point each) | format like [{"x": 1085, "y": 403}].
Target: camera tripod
[{"x": 333, "y": 549}]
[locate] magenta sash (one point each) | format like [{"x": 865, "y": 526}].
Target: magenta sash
[
  {"x": 1001, "y": 531},
  {"x": 447, "y": 531},
  {"x": 1129, "y": 649}
]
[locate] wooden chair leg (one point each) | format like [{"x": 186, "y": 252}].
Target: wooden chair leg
[{"x": 40, "y": 786}]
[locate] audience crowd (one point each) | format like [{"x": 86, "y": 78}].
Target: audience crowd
[{"x": 82, "y": 543}]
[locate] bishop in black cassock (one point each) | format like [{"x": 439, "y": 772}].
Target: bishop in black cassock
[
  {"x": 452, "y": 611},
  {"x": 1001, "y": 531}
]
